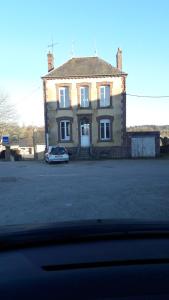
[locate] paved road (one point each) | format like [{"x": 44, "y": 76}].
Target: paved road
[{"x": 32, "y": 192}]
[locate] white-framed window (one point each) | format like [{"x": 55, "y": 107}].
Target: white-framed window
[
  {"x": 64, "y": 100},
  {"x": 84, "y": 96},
  {"x": 105, "y": 133},
  {"x": 65, "y": 130},
  {"x": 104, "y": 95}
]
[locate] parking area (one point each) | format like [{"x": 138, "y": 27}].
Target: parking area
[{"x": 35, "y": 192}]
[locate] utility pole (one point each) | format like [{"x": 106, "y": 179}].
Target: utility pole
[{"x": 7, "y": 153}]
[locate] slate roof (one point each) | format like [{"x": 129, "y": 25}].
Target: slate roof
[{"x": 84, "y": 67}]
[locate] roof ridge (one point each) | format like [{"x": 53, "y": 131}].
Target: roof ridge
[
  {"x": 93, "y": 56},
  {"x": 85, "y": 66}
]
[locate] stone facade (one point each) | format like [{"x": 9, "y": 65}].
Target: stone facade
[{"x": 116, "y": 145}]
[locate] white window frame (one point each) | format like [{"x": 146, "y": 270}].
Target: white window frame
[
  {"x": 105, "y": 121},
  {"x": 67, "y": 137},
  {"x": 103, "y": 102},
  {"x": 64, "y": 97},
  {"x": 85, "y": 101}
]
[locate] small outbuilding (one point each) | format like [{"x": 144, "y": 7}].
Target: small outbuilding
[{"x": 144, "y": 143}]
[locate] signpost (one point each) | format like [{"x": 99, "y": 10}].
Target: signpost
[{"x": 6, "y": 143}]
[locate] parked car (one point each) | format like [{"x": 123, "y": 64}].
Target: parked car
[{"x": 56, "y": 154}]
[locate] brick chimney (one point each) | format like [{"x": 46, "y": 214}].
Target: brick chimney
[
  {"x": 50, "y": 61},
  {"x": 119, "y": 59}
]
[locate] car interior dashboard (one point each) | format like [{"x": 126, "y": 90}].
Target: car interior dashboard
[{"x": 100, "y": 259}]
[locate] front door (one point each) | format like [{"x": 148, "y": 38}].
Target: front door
[{"x": 85, "y": 134}]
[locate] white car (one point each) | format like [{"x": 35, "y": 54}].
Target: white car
[{"x": 56, "y": 154}]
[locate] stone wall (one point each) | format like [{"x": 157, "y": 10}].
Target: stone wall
[{"x": 102, "y": 152}]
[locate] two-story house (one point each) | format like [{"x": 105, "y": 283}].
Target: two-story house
[{"x": 85, "y": 106}]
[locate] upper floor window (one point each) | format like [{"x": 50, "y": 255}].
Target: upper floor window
[
  {"x": 84, "y": 96},
  {"x": 64, "y": 100},
  {"x": 104, "y": 95},
  {"x": 105, "y": 129},
  {"x": 65, "y": 130}
]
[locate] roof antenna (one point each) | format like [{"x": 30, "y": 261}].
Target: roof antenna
[
  {"x": 95, "y": 48},
  {"x": 51, "y": 46}
]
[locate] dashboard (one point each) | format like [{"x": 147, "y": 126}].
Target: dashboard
[{"x": 78, "y": 262}]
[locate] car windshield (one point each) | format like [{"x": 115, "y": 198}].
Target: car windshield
[
  {"x": 57, "y": 151},
  {"x": 84, "y": 111}
]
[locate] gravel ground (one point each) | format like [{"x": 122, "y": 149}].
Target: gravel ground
[{"x": 34, "y": 192}]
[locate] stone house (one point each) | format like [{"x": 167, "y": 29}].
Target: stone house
[{"x": 85, "y": 106}]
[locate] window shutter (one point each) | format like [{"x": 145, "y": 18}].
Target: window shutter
[
  {"x": 102, "y": 131},
  {"x": 61, "y": 98},
  {"x": 86, "y": 94},
  {"x": 82, "y": 96},
  {"x": 68, "y": 129},
  {"x": 107, "y": 88},
  {"x": 107, "y": 130},
  {"x": 101, "y": 96},
  {"x": 62, "y": 130},
  {"x": 67, "y": 102}
]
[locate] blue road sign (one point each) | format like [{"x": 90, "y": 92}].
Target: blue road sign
[{"x": 5, "y": 139}]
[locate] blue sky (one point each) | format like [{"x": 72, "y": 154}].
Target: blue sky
[{"x": 140, "y": 28}]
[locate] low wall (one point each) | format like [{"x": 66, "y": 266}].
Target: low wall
[{"x": 102, "y": 152}]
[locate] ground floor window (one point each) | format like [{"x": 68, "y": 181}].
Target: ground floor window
[
  {"x": 65, "y": 130},
  {"x": 105, "y": 129}
]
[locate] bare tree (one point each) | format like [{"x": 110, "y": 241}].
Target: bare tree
[
  {"x": 165, "y": 141},
  {"x": 8, "y": 115}
]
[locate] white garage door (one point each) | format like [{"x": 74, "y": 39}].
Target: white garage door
[{"x": 143, "y": 147}]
